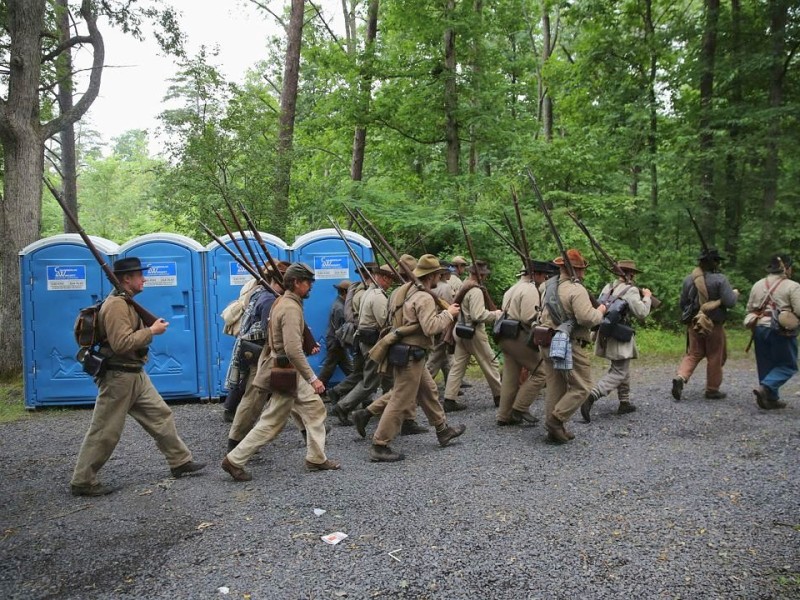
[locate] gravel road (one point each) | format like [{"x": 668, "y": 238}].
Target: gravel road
[{"x": 697, "y": 499}]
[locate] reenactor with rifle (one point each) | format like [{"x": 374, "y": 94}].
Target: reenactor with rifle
[
  {"x": 335, "y": 349},
  {"x": 616, "y": 339},
  {"x": 453, "y": 276},
  {"x": 773, "y": 313}
]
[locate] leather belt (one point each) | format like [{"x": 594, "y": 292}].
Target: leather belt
[{"x": 123, "y": 368}]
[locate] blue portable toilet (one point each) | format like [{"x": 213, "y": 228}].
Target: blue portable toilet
[
  {"x": 174, "y": 290},
  {"x": 327, "y": 254},
  {"x": 58, "y": 277},
  {"x": 225, "y": 279}
]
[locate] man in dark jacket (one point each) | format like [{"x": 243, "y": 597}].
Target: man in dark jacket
[{"x": 335, "y": 352}]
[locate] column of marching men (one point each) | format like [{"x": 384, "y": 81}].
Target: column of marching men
[{"x": 401, "y": 325}]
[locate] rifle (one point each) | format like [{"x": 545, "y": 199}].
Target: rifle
[
  {"x": 699, "y": 233},
  {"x": 256, "y": 259},
  {"x": 227, "y": 229},
  {"x": 375, "y": 248},
  {"x": 361, "y": 267},
  {"x": 604, "y": 258},
  {"x": 251, "y": 224},
  {"x": 240, "y": 259},
  {"x": 145, "y": 315},
  {"x": 476, "y": 271},
  {"x": 553, "y": 230},
  {"x": 511, "y": 244}
]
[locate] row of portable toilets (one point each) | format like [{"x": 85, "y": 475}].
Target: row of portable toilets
[{"x": 188, "y": 284}]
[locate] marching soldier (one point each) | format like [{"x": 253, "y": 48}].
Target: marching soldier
[{"x": 335, "y": 350}]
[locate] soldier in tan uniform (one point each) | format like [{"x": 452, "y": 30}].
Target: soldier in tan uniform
[
  {"x": 453, "y": 279},
  {"x": 300, "y": 389},
  {"x": 124, "y": 388},
  {"x": 475, "y": 314},
  {"x": 568, "y": 389},
  {"x": 415, "y": 310},
  {"x": 773, "y": 312},
  {"x": 439, "y": 358},
  {"x": 520, "y": 310}
]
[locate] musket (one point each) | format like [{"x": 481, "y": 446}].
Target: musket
[
  {"x": 365, "y": 226},
  {"x": 604, "y": 258},
  {"x": 514, "y": 235},
  {"x": 145, "y": 315},
  {"x": 375, "y": 248},
  {"x": 511, "y": 244},
  {"x": 251, "y": 224},
  {"x": 233, "y": 239},
  {"x": 475, "y": 270},
  {"x": 699, "y": 233},
  {"x": 523, "y": 238},
  {"x": 240, "y": 259},
  {"x": 553, "y": 230},
  {"x": 257, "y": 261},
  {"x": 360, "y": 266}
]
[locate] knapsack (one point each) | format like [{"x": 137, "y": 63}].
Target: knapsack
[{"x": 88, "y": 337}]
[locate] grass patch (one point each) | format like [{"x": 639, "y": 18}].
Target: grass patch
[
  {"x": 661, "y": 344},
  {"x": 12, "y": 404}
]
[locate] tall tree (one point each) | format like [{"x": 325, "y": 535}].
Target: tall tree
[
  {"x": 364, "y": 92},
  {"x": 23, "y": 135},
  {"x": 69, "y": 162}
]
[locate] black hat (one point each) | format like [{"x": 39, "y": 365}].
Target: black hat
[
  {"x": 710, "y": 255},
  {"x": 541, "y": 266},
  {"x": 779, "y": 263},
  {"x": 129, "y": 265}
]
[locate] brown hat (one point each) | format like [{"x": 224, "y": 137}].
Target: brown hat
[
  {"x": 343, "y": 285},
  {"x": 482, "y": 267},
  {"x": 368, "y": 267},
  {"x": 282, "y": 266},
  {"x": 427, "y": 264},
  {"x": 459, "y": 261},
  {"x": 386, "y": 271},
  {"x": 575, "y": 258},
  {"x": 628, "y": 265},
  {"x": 409, "y": 261}
]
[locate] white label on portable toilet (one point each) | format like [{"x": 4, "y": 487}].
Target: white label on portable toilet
[
  {"x": 161, "y": 274},
  {"x": 238, "y": 274},
  {"x": 332, "y": 267},
  {"x": 66, "y": 277}
]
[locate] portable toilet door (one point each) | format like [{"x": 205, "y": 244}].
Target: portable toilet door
[
  {"x": 225, "y": 279},
  {"x": 327, "y": 254},
  {"x": 58, "y": 277},
  {"x": 174, "y": 290}
]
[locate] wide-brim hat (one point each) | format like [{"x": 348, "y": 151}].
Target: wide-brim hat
[
  {"x": 628, "y": 265},
  {"x": 575, "y": 258},
  {"x": 428, "y": 264},
  {"x": 779, "y": 263},
  {"x": 712, "y": 254},
  {"x": 539, "y": 266},
  {"x": 368, "y": 266},
  {"x": 459, "y": 261},
  {"x": 386, "y": 271},
  {"x": 132, "y": 264},
  {"x": 342, "y": 285},
  {"x": 408, "y": 261}
]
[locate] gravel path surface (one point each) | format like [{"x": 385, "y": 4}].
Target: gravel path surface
[{"x": 697, "y": 499}]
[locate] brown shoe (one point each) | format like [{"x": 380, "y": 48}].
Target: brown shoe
[
  {"x": 328, "y": 465},
  {"x": 238, "y": 473},
  {"x": 411, "y": 427},
  {"x": 384, "y": 454},
  {"x": 189, "y": 468},
  {"x": 555, "y": 430},
  {"x": 98, "y": 489},
  {"x": 341, "y": 414},
  {"x": 625, "y": 408},
  {"x": 448, "y": 434},
  {"x": 715, "y": 395},
  {"x": 524, "y": 416},
  {"x": 361, "y": 418},
  {"x": 453, "y": 406},
  {"x": 677, "y": 388}
]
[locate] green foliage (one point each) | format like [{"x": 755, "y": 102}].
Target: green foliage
[{"x": 12, "y": 407}]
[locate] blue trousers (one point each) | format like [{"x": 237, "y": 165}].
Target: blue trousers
[{"x": 776, "y": 358}]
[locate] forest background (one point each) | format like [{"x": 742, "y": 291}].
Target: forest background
[{"x": 627, "y": 111}]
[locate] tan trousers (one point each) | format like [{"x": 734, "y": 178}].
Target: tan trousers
[
  {"x": 272, "y": 421},
  {"x": 529, "y": 391},
  {"x": 618, "y": 377},
  {"x": 567, "y": 390},
  {"x": 250, "y": 408},
  {"x": 713, "y": 348},
  {"x": 478, "y": 347},
  {"x": 121, "y": 394},
  {"x": 412, "y": 384},
  {"x": 516, "y": 355},
  {"x": 439, "y": 360}
]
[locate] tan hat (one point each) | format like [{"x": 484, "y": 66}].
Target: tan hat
[
  {"x": 386, "y": 271},
  {"x": 459, "y": 261},
  {"x": 409, "y": 261},
  {"x": 628, "y": 265},
  {"x": 575, "y": 258},
  {"x": 343, "y": 284},
  {"x": 427, "y": 264},
  {"x": 788, "y": 320}
]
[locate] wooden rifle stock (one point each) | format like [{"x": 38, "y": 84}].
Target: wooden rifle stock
[{"x": 145, "y": 315}]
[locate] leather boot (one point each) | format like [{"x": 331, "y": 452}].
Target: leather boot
[
  {"x": 625, "y": 407},
  {"x": 555, "y": 430},
  {"x": 361, "y": 418},
  {"x": 384, "y": 454},
  {"x": 453, "y": 405},
  {"x": 586, "y": 407},
  {"x": 677, "y": 388},
  {"x": 98, "y": 489},
  {"x": 411, "y": 427},
  {"x": 341, "y": 414},
  {"x": 232, "y": 444},
  {"x": 238, "y": 473},
  {"x": 448, "y": 434},
  {"x": 715, "y": 395}
]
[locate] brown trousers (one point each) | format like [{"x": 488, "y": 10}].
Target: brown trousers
[
  {"x": 712, "y": 347},
  {"x": 516, "y": 355}
]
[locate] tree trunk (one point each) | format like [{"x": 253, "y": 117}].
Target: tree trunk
[
  {"x": 291, "y": 74},
  {"x": 707, "y": 57},
  {"x": 778, "y": 11},
  {"x": 451, "y": 95},
  {"x": 733, "y": 181},
  {"x": 477, "y": 105},
  {"x": 545, "y": 100},
  {"x": 652, "y": 133},
  {"x": 360, "y": 137},
  {"x": 69, "y": 172}
]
